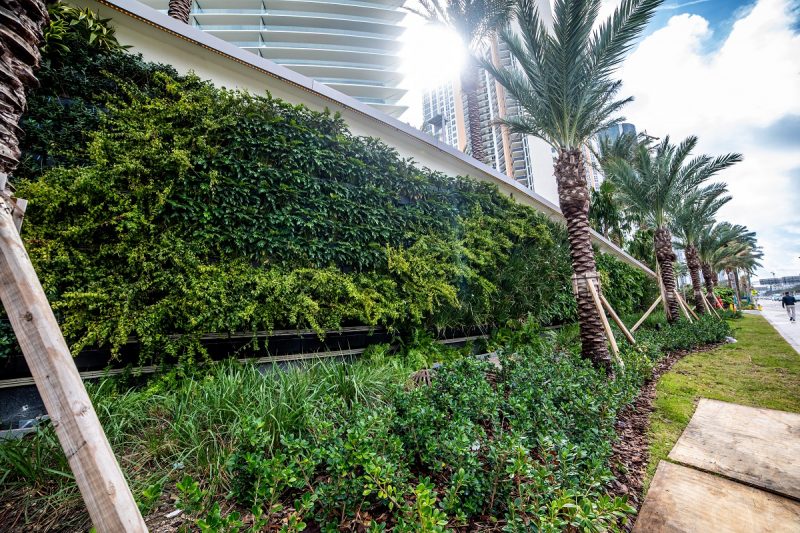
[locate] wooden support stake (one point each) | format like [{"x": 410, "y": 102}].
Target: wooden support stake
[
  {"x": 604, "y": 320},
  {"x": 714, "y": 308},
  {"x": 686, "y": 305},
  {"x": 680, "y": 304},
  {"x": 663, "y": 291},
  {"x": 647, "y": 314},
  {"x": 108, "y": 499},
  {"x": 705, "y": 304},
  {"x": 617, "y": 319},
  {"x": 711, "y": 308}
]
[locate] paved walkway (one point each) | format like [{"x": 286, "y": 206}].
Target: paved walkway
[
  {"x": 734, "y": 469},
  {"x": 780, "y": 321}
]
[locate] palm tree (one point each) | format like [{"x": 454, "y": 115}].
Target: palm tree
[
  {"x": 654, "y": 185},
  {"x": 179, "y": 10},
  {"x": 474, "y": 21},
  {"x": 564, "y": 85},
  {"x": 606, "y": 215},
  {"x": 691, "y": 217},
  {"x": 641, "y": 246},
  {"x": 746, "y": 260},
  {"x": 722, "y": 245}
]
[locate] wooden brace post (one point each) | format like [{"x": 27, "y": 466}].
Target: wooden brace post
[
  {"x": 108, "y": 499},
  {"x": 617, "y": 320},
  {"x": 683, "y": 308},
  {"x": 606, "y": 326},
  {"x": 19, "y": 212},
  {"x": 686, "y": 305},
  {"x": 662, "y": 290},
  {"x": 647, "y": 313},
  {"x": 709, "y": 307}
]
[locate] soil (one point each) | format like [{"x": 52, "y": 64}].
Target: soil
[{"x": 631, "y": 450}]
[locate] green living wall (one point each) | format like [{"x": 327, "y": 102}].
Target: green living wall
[{"x": 161, "y": 204}]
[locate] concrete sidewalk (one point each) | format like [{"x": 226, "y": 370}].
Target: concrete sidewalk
[{"x": 777, "y": 316}]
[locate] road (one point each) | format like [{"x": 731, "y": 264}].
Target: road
[{"x": 780, "y": 321}]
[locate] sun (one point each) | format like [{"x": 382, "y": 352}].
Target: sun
[{"x": 432, "y": 55}]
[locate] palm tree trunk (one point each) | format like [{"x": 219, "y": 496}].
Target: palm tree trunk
[
  {"x": 573, "y": 198},
  {"x": 665, "y": 257},
  {"x": 693, "y": 262},
  {"x": 470, "y": 81},
  {"x": 736, "y": 280},
  {"x": 708, "y": 278},
  {"x": 179, "y": 10},
  {"x": 22, "y": 22}
]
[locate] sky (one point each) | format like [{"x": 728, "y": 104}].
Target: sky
[{"x": 727, "y": 71}]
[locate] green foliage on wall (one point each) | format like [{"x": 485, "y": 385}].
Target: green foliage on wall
[{"x": 161, "y": 204}]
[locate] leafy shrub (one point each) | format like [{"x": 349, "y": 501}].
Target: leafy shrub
[
  {"x": 683, "y": 335},
  {"x": 8, "y": 341},
  {"x": 346, "y": 445},
  {"x": 725, "y": 294}
]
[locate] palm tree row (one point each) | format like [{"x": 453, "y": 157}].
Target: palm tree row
[
  {"x": 563, "y": 80},
  {"x": 663, "y": 188}
]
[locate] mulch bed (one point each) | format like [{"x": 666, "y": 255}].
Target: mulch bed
[{"x": 631, "y": 451}]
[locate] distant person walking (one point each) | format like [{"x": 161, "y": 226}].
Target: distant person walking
[{"x": 787, "y": 302}]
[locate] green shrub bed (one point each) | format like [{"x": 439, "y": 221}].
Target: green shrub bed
[
  {"x": 352, "y": 446},
  {"x": 160, "y": 204}
]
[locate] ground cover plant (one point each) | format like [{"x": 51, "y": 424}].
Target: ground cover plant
[
  {"x": 760, "y": 370},
  {"x": 353, "y": 445},
  {"x": 160, "y": 204}
]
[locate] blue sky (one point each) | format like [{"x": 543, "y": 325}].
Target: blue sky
[
  {"x": 729, "y": 72},
  {"x": 719, "y": 13}
]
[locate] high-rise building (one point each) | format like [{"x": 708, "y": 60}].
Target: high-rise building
[
  {"x": 617, "y": 130},
  {"x": 524, "y": 158},
  {"x": 352, "y": 46},
  {"x": 439, "y": 112}
]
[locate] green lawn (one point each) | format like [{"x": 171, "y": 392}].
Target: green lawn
[{"x": 761, "y": 370}]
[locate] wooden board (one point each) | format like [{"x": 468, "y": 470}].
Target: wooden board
[
  {"x": 687, "y": 500},
  {"x": 760, "y": 447}
]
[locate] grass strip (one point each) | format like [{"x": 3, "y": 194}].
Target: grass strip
[{"x": 760, "y": 370}]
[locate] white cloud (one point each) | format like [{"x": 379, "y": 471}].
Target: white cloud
[{"x": 727, "y": 96}]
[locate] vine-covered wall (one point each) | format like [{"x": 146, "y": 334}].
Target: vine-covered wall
[{"x": 161, "y": 204}]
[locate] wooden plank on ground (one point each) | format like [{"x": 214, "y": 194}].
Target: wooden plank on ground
[
  {"x": 760, "y": 447},
  {"x": 687, "y": 500}
]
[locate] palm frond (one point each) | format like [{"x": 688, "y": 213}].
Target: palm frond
[
  {"x": 660, "y": 182},
  {"x": 570, "y": 94},
  {"x": 616, "y": 36}
]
